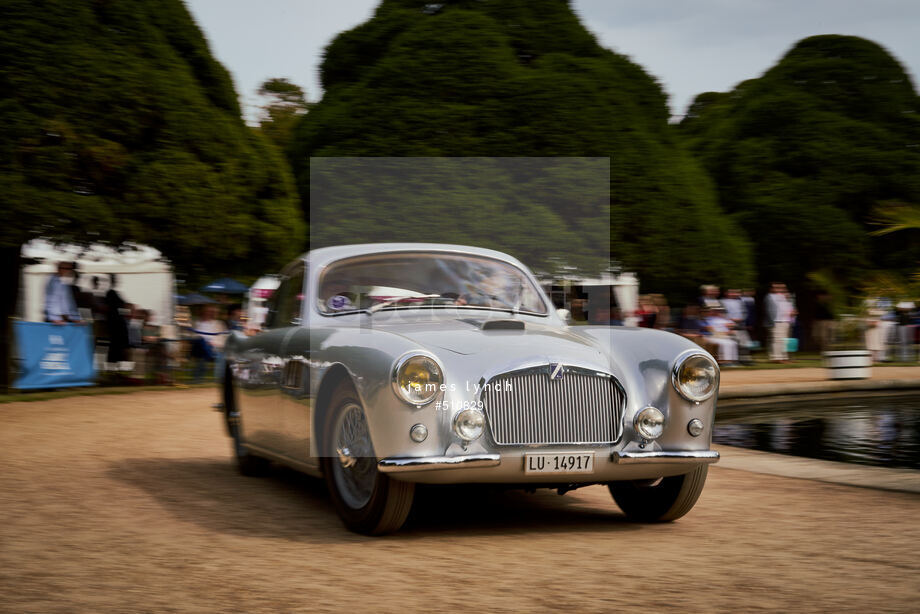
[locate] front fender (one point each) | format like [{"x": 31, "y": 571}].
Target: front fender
[
  {"x": 367, "y": 357},
  {"x": 644, "y": 359}
]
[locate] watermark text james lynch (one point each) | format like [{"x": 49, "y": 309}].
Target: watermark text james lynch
[{"x": 491, "y": 387}]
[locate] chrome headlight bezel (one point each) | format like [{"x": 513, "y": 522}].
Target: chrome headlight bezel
[
  {"x": 474, "y": 414},
  {"x": 657, "y": 414},
  {"x": 681, "y": 363},
  {"x": 406, "y": 360}
]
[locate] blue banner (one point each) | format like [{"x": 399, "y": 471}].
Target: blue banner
[{"x": 54, "y": 355}]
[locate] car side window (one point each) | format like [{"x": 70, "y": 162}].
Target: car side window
[{"x": 288, "y": 300}]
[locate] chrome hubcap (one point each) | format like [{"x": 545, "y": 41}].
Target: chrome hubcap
[
  {"x": 356, "y": 472},
  {"x": 348, "y": 461}
]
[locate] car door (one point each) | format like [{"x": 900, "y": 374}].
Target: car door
[
  {"x": 296, "y": 404},
  {"x": 264, "y": 365}
]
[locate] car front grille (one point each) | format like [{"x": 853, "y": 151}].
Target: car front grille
[{"x": 531, "y": 408}]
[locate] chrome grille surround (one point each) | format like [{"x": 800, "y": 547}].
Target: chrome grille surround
[{"x": 583, "y": 407}]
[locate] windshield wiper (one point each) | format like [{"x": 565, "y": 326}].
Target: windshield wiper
[{"x": 399, "y": 299}]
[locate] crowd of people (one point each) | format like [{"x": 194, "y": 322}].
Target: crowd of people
[
  {"x": 722, "y": 323},
  {"x": 732, "y": 324},
  {"x": 892, "y": 329},
  {"x": 126, "y": 338}
]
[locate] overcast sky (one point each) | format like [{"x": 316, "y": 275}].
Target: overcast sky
[{"x": 690, "y": 46}]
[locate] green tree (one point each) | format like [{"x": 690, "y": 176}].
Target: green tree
[
  {"x": 285, "y": 104},
  {"x": 803, "y": 155},
  {"x": 519, "y": 78},
  {"x": 895, "y": 216},
  {"x": 116, "y": 124}
]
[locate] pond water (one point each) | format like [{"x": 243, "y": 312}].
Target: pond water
[{"x": 881, "y": 430}]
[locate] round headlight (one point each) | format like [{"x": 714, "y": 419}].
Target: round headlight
[
  {"x": 649, "y": 423},
  {"x": 469, "y": 424},
  {"x": 696, "y": 377},
  {"x": 417, "y": 379}
]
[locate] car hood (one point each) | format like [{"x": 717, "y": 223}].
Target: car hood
[{"x": 468, "y": 337}]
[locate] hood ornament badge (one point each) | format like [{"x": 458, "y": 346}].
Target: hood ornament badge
[{"x": 555, "y": 370}]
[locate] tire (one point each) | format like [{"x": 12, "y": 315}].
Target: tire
[
  {"x": 663, "y": 501},
  {"x": 368, "y": 502},
  {"x": 248, "y": 463}
]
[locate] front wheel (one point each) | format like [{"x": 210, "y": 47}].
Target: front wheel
[
  {"x": 663, "y": 500},
  {"x": 368, "y": 501}
]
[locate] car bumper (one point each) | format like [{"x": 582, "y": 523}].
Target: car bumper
[
  {"x": 428, "y": 463},
  {"x": 701, "y": 457},
  {"x": 496, "y": 468}
]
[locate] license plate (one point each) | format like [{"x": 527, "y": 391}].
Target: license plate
[{"x": 581, "y": 462}]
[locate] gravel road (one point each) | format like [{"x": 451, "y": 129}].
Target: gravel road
[{"x": 130, "y": 503}]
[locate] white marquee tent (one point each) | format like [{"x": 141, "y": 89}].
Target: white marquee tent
[{"x": 144, "y": 277}]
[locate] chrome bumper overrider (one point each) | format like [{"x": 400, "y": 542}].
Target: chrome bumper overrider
[
  {"x": 395, "y": 464},
  {"x": 702, "y": 457}
]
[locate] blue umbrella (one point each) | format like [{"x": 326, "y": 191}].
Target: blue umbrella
[
  {"x": 194, "y": 299},
  {"x": 225, "y": 285}
]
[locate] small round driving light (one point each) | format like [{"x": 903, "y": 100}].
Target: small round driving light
[
  {"x": 649, "y": 423},
  {"x": 695, "y": 427},
  {"x": 469, "y": 424},
  {"x": 418, "y": 433},
  {"x": 417, "y": 379},
  {"x": 695, "y": 376}
]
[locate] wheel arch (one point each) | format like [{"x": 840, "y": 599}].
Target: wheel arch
[{"x": 334, "y": 376}]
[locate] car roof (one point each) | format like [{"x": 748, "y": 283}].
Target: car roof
[{"x": 325, "y": 255}]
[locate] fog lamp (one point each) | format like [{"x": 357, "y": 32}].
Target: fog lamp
[
  {"x": 649, "y": 423},
  {"x": 695, "y": 427},
  {"x": 468, "y": 424},
  {"x": 418, "y": 433}
]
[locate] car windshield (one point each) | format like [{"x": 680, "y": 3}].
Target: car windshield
[{"x": 428, "y": 280}]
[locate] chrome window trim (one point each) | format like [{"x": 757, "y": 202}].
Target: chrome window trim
[
  {"x": 541, "y": 294},
  {"x": 293, "y": 268}
]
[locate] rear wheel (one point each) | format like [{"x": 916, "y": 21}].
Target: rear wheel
[
  {"x": 368, "y": 501},
  {"x": 248, "y": 463},
  {"x": 661, "y": 500}
]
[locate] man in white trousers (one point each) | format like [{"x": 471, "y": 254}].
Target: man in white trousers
[{"x": 780, "y": 311}]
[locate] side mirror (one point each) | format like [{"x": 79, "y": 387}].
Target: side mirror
[{"x": 565, "y": 314}]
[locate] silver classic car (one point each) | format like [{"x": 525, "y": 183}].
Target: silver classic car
[{"x": 383, "y": 366}]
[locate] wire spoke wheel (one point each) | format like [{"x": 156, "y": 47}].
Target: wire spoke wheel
[
  {"x": 367, "y": 501},
  {"x": 355, "y": 468}
]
